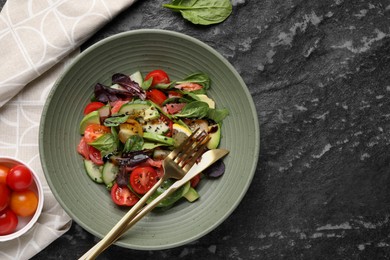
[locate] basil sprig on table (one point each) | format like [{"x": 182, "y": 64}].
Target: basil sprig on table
[{"x": 202, "y": 12}]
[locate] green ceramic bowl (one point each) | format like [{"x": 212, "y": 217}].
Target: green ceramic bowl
[{"x": 89, "y": 204}]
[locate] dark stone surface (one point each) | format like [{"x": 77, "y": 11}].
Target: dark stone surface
[{"x": 319, "y": 73}]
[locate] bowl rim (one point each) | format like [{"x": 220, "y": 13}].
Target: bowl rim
[
  {"x": 210, "y": 49},
  {"x": 38, "y": 211}
]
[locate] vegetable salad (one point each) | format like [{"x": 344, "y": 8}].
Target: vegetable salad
[{"x": 130, "y": 126}]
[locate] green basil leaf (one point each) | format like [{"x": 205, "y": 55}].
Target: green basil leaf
[
  {"x": 147, "y": 83},
  {"x": 202, "y": 12},
  {"x": 114, "y": 133},
  {"x": 163, "y": 85},
  {"x": 106, "y": 144},
  {"x": 134, "y": 143},
  {"x": 217, "y": 114},
  {"x": 198, "y": 109},
  {"x": 199, "y": 78},
  {"x": 115, "y": 120}
]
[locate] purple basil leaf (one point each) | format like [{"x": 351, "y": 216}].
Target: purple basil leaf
[
  {"x": 131, "y": 86},
  {"x": 215, "y": 170},
  {"x": 122, "y": 178},
  {"x": 133, "y": 161},
  {"x": 106, "y": 94}
]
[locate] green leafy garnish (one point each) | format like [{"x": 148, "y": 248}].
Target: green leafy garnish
[
  {"x": 202, "y": 12},
  {"x": 106, "y": 144},
  {"x": 199, "y": 78},
  {"x": 217, "y": 114},
  {"x": 198, "y": 109},
  {"x": 134, "y": 143},
  {"x": 115, "y": 120}
]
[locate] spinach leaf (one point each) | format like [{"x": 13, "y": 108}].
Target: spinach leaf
[
  {"x": 199, "y": 78},
  {"x": 198, "y": 109},
  {"x": 202, "y": 12},
  {"x": 106, "y": 144}
]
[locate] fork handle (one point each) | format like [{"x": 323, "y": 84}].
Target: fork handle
[
  {"x": 107, "y": 241},
  {"x": 138, "y": 217},
  {"x": 122, "y": 226}
]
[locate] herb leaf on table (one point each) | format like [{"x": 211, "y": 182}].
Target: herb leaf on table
[{"x": 202, "y": 12}]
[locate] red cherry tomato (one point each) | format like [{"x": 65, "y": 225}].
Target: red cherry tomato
[
  {"x": 19, "y": 178},
  {"x": 94, "y": 131},
  {"x": 195, "y": 181},
  {"x": 3, "y": 174},
  {"x": 159, "y": 77},
  {"x": 174, "y": 94},
  {"x": 8, "y": 222},
  {"x": 5, "y": 195},
  {"x": 157, "y": 96},
  {"x": 95, "y": 155},
  {"x": 93, "y": 106},
  {"x": 23, "y": 203},
  {"x": 83, "y": 148},
  {"x": 122, "y": 196},
  {"x": 142, "y": 179}
]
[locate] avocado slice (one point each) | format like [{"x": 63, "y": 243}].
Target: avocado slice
[
  {"x": 191, "y": 195},
  {"x": 206, "y": 99},
  {"x": 88, "y": 119},
  {"x": 215, "y": 136}
]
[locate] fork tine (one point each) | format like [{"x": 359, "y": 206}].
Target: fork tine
[
  {"x": 196, "y": 156},
  {"x": 183, "y": 146},
  {"x": 183, "y": 157}
]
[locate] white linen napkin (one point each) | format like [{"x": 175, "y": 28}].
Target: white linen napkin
[
  {"x": 36, "y": 34},
  {"x": 37, "y": 40}
]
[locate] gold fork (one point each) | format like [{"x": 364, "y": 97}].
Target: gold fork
[{"x": 175, "y": 166}]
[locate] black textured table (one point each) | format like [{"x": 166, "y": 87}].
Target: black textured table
[{"x": 319, "y": 73}]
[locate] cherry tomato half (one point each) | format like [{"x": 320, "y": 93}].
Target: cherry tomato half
[
  {"x": 19, "y": 178},
  {"x": 93, "y": 106},
  {"x": 157, "y": 96},
  {"x": 142, "y": 179},
  {"x": 159, "y": 77},
  {"x": 3, "y": 174},
  {"x": 195, "y": 181},
  {"x": 5, "y": 195},
  {"x": 8, "y": 222},
  {"x": 95, "y": 155},
  {"x": 83, "y": 148},
  {"x": 122, "y": 196},
  {"x": 94, "y": 131},
  {"x": 23, "y": 203}
]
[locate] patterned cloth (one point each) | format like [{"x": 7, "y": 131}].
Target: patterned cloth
[{"x": 37, "y": 39}]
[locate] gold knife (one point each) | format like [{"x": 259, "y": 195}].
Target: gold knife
[{"x": 208, "y": 158}]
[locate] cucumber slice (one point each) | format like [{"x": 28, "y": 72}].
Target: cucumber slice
[
  {"x": 110, "y": 171},
  {"x": 137, "y": 77},
  {"x": 93, "y": 171}
]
